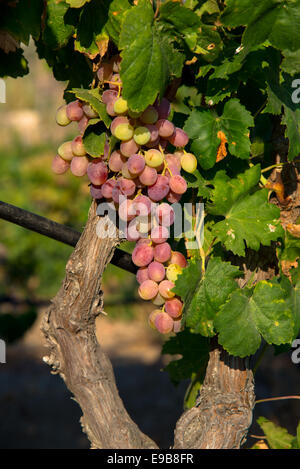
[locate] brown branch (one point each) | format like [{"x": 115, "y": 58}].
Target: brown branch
[{"x": 74, "y": 353}]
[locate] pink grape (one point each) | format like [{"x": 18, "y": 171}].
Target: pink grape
[
  {"x": 82, "y": 124},
  {"x": 126, "y": 211},
  {"x": 78, "y": 146},
  {"x": 136, "y": 164},
  {"x": 110, "y": 108},
  {"x": 97, "y": 172},
  {"x": 126, "y": 173},
  {"x": 165, "y": 214},
  {"x": 179, "y": 138},
  {"x": 177, "y": 325},
  {"x": 163, "y": 323},
  {"x": 107, "y": 188},
  {"x": 174, "y": 307},
  {"x": 148, "y": 176},
  {"x": 165, "y": 128},
  {"x": 106, "y": 150},
  {"x": 178, "y": 184},
  {"x": 148, "y": 289},
  {"x": 163, "y": 108},
  {"x": 162, "y": 252},
  {"x": 105, "y": 71},
  {"x": 74, "y": 111},
  {"x": 173, "y": 160},
  {"x": 117, "y": 79},
  {"x": 160, "y": 189},
  {"x": 116, "y": 194},
  {"x": 116, "y": 161},
  {"x": 59, "y": 166},
  {"x": 127, "y": 187},
  {"x": 132, "y": 233},
  {"x": 61, "y": 116},
  {"x": 117, "y": 121},
  {"x": 142, "y": 274},
  {"x": 108, "y": 96},
  {"x": 165, "y": 288},
  {"x": 179, "y": 259},
  {"x": 172, "y": 171},
  {"x": 129, "y": 148},
  {"x": 89, "y": 111},
  {"x": 152, "y": 316},
  {"x": 173, "y": 198},
  {"x": 79, "y": 165},
  {"x": 96, "y": 191},
  {"x": 159, "y": 234},
  {"x": 156, "y": 271},
  {"x": 142, "y": 205},
  {"x": 65, "y": 151},
  {"x": 153, "y": 132},
  {"x": 142, "y": 255}
]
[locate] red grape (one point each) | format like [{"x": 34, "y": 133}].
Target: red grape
[{"x": 97, "y": 172}]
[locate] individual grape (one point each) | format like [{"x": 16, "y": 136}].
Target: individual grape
[
  {"x": 96, "y": 191},
  {"x": 142, "y": 205},
  {"x": 142, "y": 274},
  {"x": 97, "y": 172},
  {"x": 143, "y": 225},
  {"x": 159, "y": 234},
  {"x": 156, "y": 271},
  {"x": 165, "y": 214},
  {"x": 127, "y": 186},
  {"x": 78, "y": 146},
  {"x": 120, "y": 106},
  {"x": 149, "y": 116},
  {"x": 148, "y": 290},
  {"x": 107, "y": 188},
  {"x": 152, "y": 316},
  {"x": 108, "y": 96},
  {"x": 173, "y": 198},
  {"x": 110, "y": 108},
  {"x": 174, "y": 307},
  {"x": 148, "y": 176},
  {"x": 116, "y": 161},
  {"x": 124, "y": 132},
  {"x": 115, "y": 79},
  {"x": 79, "y": 165},
  {"x": 117, "y": 121},
  {"x": 142, "y": 255},
  {"x": 141, "y": 135},
  {"x": 132, "y": 233},
  {"x": 153, "y": 133},
  {"x": 163, "y": 323},
  {"x": 105, "y": 72},
  {"x": 59, "y": 166},
  {"x": 65, "y": 151},
  {"x": 126, "y": 173},
  {"x": 158, "y": 300},
  {"x": 189, "y": 162},
  {"x": 172, "y": 272},
  {"x": 82, "y": 124},
  {"x": 74, "y": 111},
  {"x": 128, "y": 148},
  {"x": 179, "y": 138},
  {"x": 173, "y": 160},
  {"x": 163, "y": 109},
  {"x": 89, "y": 111},
  {"x": 162, "y": 252},
  {"x": 154, "y": 158},
  {"x": 178, "y": 184},
  {"x": 62, "y": 117},
  {"x": 126, "y": 211},
  {"x": 160, "y": 189},
  {"x": 165, "y": 288},
  {"x": 136, "y": 164},
  {"x": 177, "y": 325},
  {"x": 165, "y": 128},
  {"x": 178, "y": 258}
]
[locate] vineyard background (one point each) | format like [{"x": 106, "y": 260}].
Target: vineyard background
[{"x": 36, "y": 408}]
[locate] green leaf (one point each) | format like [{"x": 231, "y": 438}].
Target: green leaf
[
  {"x": 194, "y": 350},
  {"x": 94, "y": 140},
  {"x": 93, "y": 98},
  {"x": 116, "y": 11},
  {"x": 204, "y": 295},
  {"x": 203, "y": 126},
  {"x": 292, "y": 300},
  {"x": 57, "y": 32},
  {"x": 246, "y": 317},
  {"x": 149, "y": 59},
  {"x": 197, "y": 181},
  {"x": 23, "y": 19},
  {"x": 273, "y": 21},
  {"x": 77, "y": 3},
  {"x": 277, "y": 437},
  {"x": 291, "y": 62},
  {"x": 248, "y": 217}
]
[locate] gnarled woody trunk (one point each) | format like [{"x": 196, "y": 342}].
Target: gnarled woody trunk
[{"x": 223, "y": 412}]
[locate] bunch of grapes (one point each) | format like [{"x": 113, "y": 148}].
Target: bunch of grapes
[{"x": 141, "y": 178}]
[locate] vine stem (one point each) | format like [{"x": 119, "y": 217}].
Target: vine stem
[{"x": 280, "y": 398}]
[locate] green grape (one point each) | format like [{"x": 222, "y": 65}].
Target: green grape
[
  {"x": 141, "y": 135},
  {"x": 120, "y": 106},
  {"x": 124, "y": 132},
  {"x": 188, "y": 162}
]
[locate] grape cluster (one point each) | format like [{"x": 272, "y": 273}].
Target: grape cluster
[{"x": 142, "y": 179}]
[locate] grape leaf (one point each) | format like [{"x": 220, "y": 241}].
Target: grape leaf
[
  {"x": 247, "y": 316},
  {"x": 148, "y": 57},
  {"x": 57, "y": 32},
  {"x": 277, "y": 437},
  {"x": 248, "y": 217},
  {"x": 293, "y": 300},
  {"x": 94, "y": 140},
  {"x": 194, "y": 350},
  {"x": 93, "y": 98},
  {"x": 203, "y": 126},
  {"x": 203, "y": 295},
  {"x": 116, "y": 11},
  {"x": 77, "y": 3},
  {"x": 23, "y": 19},
  {"x": 268, "y": 20}
]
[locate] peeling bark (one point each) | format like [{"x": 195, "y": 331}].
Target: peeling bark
[{"x": 74, "y": 353}]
